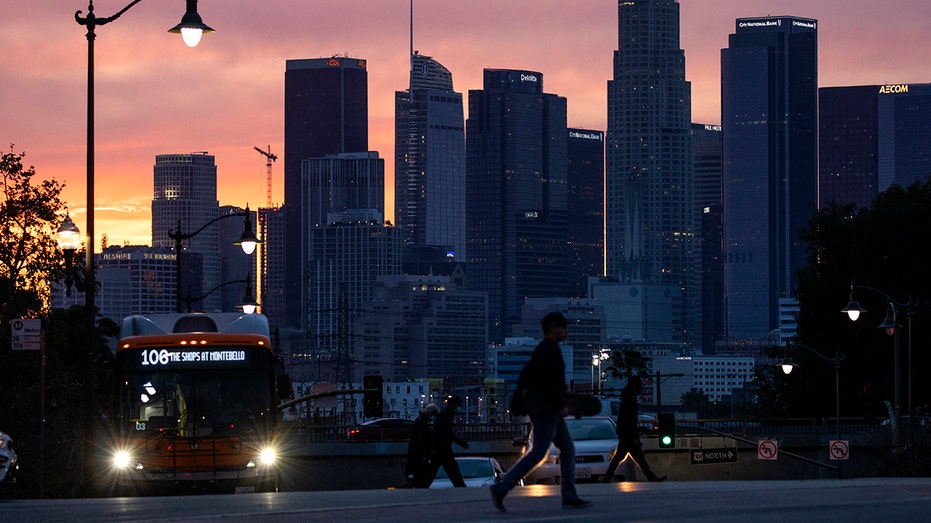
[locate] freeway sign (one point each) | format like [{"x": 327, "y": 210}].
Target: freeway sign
[{"x": 711, "y": 456}]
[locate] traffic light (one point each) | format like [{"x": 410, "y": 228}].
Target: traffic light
[
  {"x": 667, "y": 431},
  {"x": 372, "y": 397}
]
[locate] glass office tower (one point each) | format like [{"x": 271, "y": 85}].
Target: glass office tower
[
  {"x": 326, "y": 112},
  {"x": 769, "y": 117},
  {"x": 516, "y": 195},
  {"x": 429, "y": 187}
]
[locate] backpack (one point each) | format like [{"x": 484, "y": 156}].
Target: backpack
[{"x": 518, "y": 405}]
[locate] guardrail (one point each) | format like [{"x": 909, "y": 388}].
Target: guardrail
[
  {"x": 316, "y": 433},
  {"x": 311, "y": 432}
]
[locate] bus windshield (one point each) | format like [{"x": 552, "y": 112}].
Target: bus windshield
[{"x": 196, "y": 404}]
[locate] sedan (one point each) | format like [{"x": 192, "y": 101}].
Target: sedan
[
  {"x": 476, "y": 471},
  {"x": 8, "y": 464},
  {"x": 595, "y": 441},
  {"x": 382, "y": 429}
]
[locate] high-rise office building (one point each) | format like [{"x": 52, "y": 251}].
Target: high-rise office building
[
  {"x": 340, "y": 182},
  {"x": 872, "y": 136},
  {"x": 185, "y": 200},
  {"x": 516, "y": 195},
  {"x": 422, "y": 327},
  {"x": 326, "y": 112},
  {"x": 344, "y": 260},
  {"x": 270, "y": 283},
  {"x": 585, "y": 213},
  {"x": 648, "y": 172},
  {"x": 430, "y": 160},
  {"x": 707, "y": 248},
  {"x": 132, "y": 279},
  {"x": 769, "y": 117}
]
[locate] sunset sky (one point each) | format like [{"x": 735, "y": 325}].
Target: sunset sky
[{"x": 154, "y": 95}]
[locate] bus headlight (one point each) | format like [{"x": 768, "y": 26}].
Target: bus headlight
[
  {"x": 121, "y": 460},
  {"x": 268, "y": 456}
]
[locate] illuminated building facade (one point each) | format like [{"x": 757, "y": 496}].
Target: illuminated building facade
[{"x": 648, "y": 153}]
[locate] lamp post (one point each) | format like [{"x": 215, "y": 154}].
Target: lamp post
[
  {"x": 597, "y": 358},
  {"x": 69, "y": 239},
  {"x": 91, "y": 21},
  {"x": 889, "y": 325},
  {"x": 248, "y": 301},
  {"x": 247, "y": 241},
  {"x": 838, "y": 358}
]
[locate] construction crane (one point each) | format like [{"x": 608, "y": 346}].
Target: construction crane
[{"x": 269, "y": 158}]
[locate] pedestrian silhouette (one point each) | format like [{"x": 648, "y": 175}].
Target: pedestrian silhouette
[
  {"x": 444, "y": 433},
  {"x": 545, "y": 376},
  {"x": 628, "y": 433},
  {"x": 421, "y": 448}
]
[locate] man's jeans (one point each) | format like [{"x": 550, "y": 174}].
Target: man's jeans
[{"x": 547, "y": 428}]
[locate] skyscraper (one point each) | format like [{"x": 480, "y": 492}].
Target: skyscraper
[
  {"x": 326, "y": 112},
  {"x": 769, "y": 117},
  {"x": 648, "y": 173},
  {"x": 430, "y": 160},
  {"x": 707, "y": 168},
  {"x": 516, "y": 196},
  {"x": 585, "y": 219},
  {"x": 344, "y": 260},
  {"x": 270, "y": 282},
  {"x": 872, "y": 136},
  {"x": 185, "y": 200},
  {"x": 340, "y": 182}
]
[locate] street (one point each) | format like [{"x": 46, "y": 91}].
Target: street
[{"x": 848, "y": 501}]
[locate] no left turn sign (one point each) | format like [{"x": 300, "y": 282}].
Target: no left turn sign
[{"x": 840, "y": 449}]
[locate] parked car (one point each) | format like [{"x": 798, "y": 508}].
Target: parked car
[
  {"x": 8, "y": 463},
  {"x": 595, "y": 442},
  {"x": 382, "y": 429},
  {"x": 477, "y": 471}
]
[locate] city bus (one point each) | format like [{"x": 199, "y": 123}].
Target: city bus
[{"x": 194, "y": 404}]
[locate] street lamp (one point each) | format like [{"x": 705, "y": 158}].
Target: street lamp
[
  {"x": 92, "y": 21},
  {"x": 787, "y": 367},
  {"x": 248, "y": 300},
  {"x": 247, "y": 241},
  {"x": 191, "y": 26},
  {"x": 889, "y": 325},
  {"x": 69, "y": 239}
]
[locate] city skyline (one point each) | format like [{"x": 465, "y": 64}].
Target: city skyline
[{"x": 155, "y": 96}]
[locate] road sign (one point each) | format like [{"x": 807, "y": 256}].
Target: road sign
[
  {"x": 840, "y": 449},
  {"x": 26, "y": 333},
  {"x": 712, "y": 456},
  {"x": 767, "y": 449}
]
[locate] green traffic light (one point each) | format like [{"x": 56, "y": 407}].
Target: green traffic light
[{"x": 667, "y": 440}]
